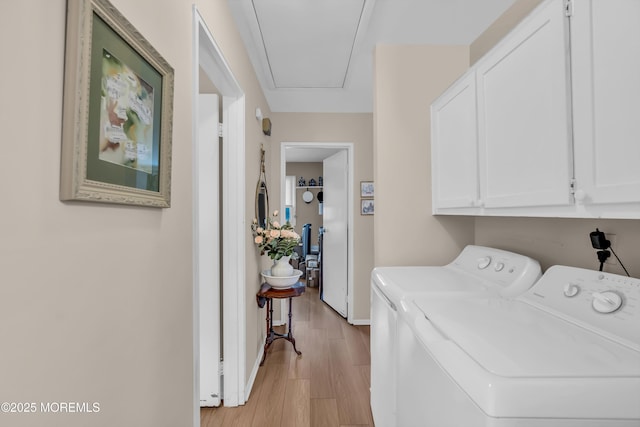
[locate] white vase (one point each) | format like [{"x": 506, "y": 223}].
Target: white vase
[{"x": 282, "y": 268}]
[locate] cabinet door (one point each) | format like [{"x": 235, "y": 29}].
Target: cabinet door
[
  {"x": 454, "y": 146},
  {"x": 523, "y": 114},
  {"x": 605, "y": 49}
]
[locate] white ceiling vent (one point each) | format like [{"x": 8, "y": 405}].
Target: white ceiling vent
[{"x": 308, "y": 43}]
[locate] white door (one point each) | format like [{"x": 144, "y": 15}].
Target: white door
[
  {"x": 523, "y": 107},
  {"x": 605, "y": 41},
  {"x": 207, "y": 246},
  {"x": 334, "y": 243},
  {"x": 454, "y": 146}
]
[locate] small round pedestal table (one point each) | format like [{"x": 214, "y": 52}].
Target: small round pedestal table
[{"x": 265, "y": 296}]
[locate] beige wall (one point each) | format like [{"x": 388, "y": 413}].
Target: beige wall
[
  {"x": 563, "y": 241},
  {"x": 307, "y": 213},
  {"x": 96, "y": 300},
  {"x": 501, "y": 27},
  {"x": 354, "y": 128},
  {"x": 552, "y": 240},
  {"x": 407, "y": 80}
]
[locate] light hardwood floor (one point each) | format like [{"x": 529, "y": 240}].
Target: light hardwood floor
[{"x": 327, "y": 386}]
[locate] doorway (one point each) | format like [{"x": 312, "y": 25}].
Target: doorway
[
  {"x": 208, "y": 59},
  {"x": 318, "y": 152}
]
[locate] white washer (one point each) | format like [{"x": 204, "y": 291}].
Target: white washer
[
  {"x": 564, "y": 354},
  {"x": 477, "y": 270}
]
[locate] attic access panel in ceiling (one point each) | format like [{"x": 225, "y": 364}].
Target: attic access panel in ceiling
[{"x": 308, "y": 43}]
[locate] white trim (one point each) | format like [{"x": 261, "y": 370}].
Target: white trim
[
  {"x": 361, "y": 322},
  {"x": 208, "y": 56},
  {"x": 254, "y": 373},
  {"x": 234, "y": 292},
  {"x": 350, "y": 154},
  {"x": 196, "y": 292}
]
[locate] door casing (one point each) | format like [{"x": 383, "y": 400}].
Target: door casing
[
  {"x": 348, "y": 146},
  {"x": 208, "y": 57}
]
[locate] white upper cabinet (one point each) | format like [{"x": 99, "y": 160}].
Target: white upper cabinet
[
  {"x": 523, "y": 106},
  {"x": 605, "y": 51},
  {"x": 557, "y": 119},
  {"x": 454, "y": 156}
]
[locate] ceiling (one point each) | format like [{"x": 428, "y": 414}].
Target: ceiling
[
  {"x": 317, "y": 55},
  {"x": 308, "y": 154}
]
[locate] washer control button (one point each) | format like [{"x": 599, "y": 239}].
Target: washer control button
[
  {"x": 499, "y": 266},
  {"x": 484, "y": 262}
]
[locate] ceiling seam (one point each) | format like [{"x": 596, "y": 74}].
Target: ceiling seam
[
  {"x": 353, "y": 44},
  {"x": 264, "y": 45}
]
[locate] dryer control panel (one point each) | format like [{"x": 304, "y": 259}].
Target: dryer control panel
[
  {"x": 603, "y": 302},
  {"x": 513, "y": 273}
]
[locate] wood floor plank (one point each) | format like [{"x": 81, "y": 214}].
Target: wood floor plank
[
  {"x": 365, "y": 375},
  {"x": 317, "y": 311},
  {"x": 297, "y": 401},
  {"x": 333, "y": 322},
  {"x": 300, "y": 366},
  {"x": 205, "y": 416},
  {"x": 365, "y": 334},
  {"x": 271, "y": 399},
  {"x": 322, "y": 316},
  {"x": 300, "y": 307},
  {"x": 324, "y": 413},
  {"x": 233, "y": 417},
  {"x": 352, "y": 393},
  {"x": 321, "y": 386},
  {"x": 357, "y": 350}
]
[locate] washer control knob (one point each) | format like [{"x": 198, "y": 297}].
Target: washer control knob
[
  {"x": 606, "y": 302},
  {"x": 484, "y": 262},
  {"x": 571, "y": 290},
  {"x": 499, "y": 266}
]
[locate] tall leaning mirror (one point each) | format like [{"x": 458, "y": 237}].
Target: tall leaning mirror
[{"x": 262, "y": 195}]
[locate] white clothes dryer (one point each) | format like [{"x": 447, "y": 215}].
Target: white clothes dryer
[
  {"x": 564, "y": 354},
  {"x": 476, "y": 270}
]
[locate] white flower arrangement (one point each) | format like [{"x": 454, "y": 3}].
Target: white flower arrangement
[{"x": 275, "y": 240}]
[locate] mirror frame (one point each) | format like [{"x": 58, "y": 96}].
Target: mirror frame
[{"x": 262, "y": 203}]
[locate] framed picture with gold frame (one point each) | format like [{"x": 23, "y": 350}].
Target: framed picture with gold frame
[{"x": 117, "y": 113}]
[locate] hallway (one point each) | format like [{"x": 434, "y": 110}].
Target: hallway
[{"x": 328, "y": 386}]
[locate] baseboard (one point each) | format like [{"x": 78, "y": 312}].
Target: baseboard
[
  {"x": 359, "y": 322},
  {"x": 254, "y": 373}
]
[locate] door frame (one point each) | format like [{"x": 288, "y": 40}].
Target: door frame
[
  {"x": 348, "y": 146},
  {"x": 208, "y": 56}
]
